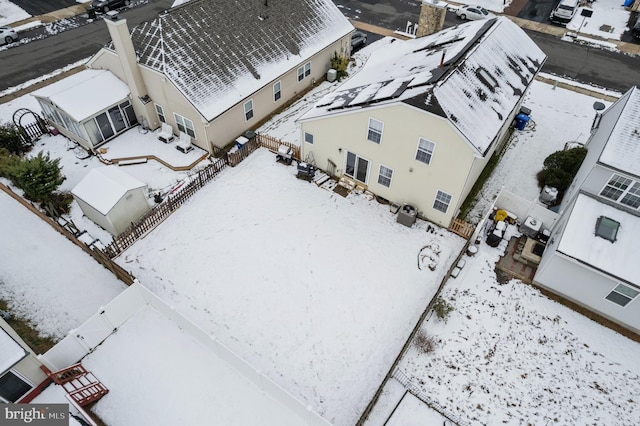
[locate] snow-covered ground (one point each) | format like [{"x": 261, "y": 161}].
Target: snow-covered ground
[
  {"x": 44, "y": 277},
  {"x": 320, "y": 291},
  {"x": 317, "y": 291},
  {"x": 10, "y": 13}
]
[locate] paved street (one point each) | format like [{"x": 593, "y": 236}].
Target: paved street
[{"x": 583, "y": 63}]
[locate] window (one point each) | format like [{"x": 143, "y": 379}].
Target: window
[
  {"x": 622, "y": 295},
  {"x": 185, "y": 125},
  {"x": 304, "y": 71},
  {"x": 623, "y": 190},
  {"x": 356, "y": 167},
  {"x": 277, "y": 93},
  {"x": 384, "y": 176},
  {"x": 248, "y": 110},
  {"x": 425, "y": 150},
  {"x": 442, "y": 201},
  {"x": 632, "y": 197},
  {"x": 375, "y": 130},
  {"x": 12, "y": 387},
  {"x": 607, "y": 228},
  {"x": 308, "y": 138},
  {"x": 160, "y": 113}
]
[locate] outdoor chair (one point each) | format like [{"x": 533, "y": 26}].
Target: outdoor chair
[
  {"x": 166, "y": 133},
  {"x": 184, "y": 143}
]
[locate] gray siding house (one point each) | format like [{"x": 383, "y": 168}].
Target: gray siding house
[{"x": 590, "y": 258}]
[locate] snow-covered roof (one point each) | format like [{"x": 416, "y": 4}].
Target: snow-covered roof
[
  {"x": 622, "y": 150},
  {"x": 178, "y": 380},
  {"x": 10, "y": 351},
  {"x": 473, "y": 74},
  {"x": 103, "y": 187},
  {"x": 580, "y": 241},
  {"x": 86, "y": 93},
  {"x": 219, "y": 52}
]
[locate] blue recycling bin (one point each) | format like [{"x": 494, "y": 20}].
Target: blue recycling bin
[{"x": 521, "y": 121}]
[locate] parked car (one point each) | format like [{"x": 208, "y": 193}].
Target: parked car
[
  {"x": 106, "y": 5},
  {"x": 7, "y": 35},
  {"x": 564, "y": 11},
  {"x": 358, "y": 39},
  {"x": 473, "y": 13}
]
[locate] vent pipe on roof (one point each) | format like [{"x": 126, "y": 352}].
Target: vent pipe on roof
[
  {"x": 266, "y": 3},
  {"x": 444, "y": 53}
]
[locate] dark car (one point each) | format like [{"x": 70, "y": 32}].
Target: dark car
[
  {"x": 358, "y": 39},
  {"x": 106, "y": 5}
]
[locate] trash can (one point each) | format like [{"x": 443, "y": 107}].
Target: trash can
[
  {"x": 91, "y": 12},
  {"x": 521, "y": 121},
  {"x": 249, "y": 134}
]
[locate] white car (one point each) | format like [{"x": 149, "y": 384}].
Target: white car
[
  {"x": 7, "y": 35},
  {"x": 473, "y": 13}
]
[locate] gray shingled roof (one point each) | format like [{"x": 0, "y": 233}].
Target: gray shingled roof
[
  {"x": 219, "y": 52},
  {"x": 472, "y": 74},
  {"x": 622, "y": 150}
]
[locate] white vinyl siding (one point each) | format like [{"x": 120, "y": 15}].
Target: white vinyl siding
[
  {"x": 425, "y": 151},
  {"x": 374, "y": 133}
]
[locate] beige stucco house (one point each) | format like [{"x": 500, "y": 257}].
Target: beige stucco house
[
  {"x": 419, "y": 122},
  {"x": 213, "y": 71}
]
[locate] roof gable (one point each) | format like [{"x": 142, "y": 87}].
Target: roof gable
[
  {"x": 218, "y": 52},
  {"x": 103, "y": 187},
  {"x": 442, "y": 74},
  {"x": 622, "y": 150}
]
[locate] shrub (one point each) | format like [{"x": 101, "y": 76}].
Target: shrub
[
  {"x": 38, "y": 176},
  {"x": 58, "y": 204},
  {"x": 561, "y": 167},
  {"x": 425, "y": 342},
  {"x": 10, "y": 139},
  {"x": 339, "y": 63},
  {"x": 442, "y": 308}
]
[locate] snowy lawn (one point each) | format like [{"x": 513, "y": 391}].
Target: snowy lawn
[
  {"x": 609, "y": 20},
  {"x": 509, "y": 355},
  {"x": 44, "y": 277},
  {"x": 317, "y": 291},
  {"x": 10, "y": 13}
]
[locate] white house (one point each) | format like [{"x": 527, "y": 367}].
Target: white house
[
  {"x": 111, "y": 198},
  {"x": 89, "y": 107},
  {"x": 214, "y": 69},
  {"x": 423, "y": 117},
  {"x": 19, "y": 367},
  {"x": 590, "y": 258}
]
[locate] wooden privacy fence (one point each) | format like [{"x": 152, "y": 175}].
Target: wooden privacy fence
[
  {"x": 174, "y": 200},
  {"x": 272, "y": 144},
  {"x": 462, "y": 228}
]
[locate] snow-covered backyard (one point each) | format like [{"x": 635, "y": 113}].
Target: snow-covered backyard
[{"x": 320, "y": 292}]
